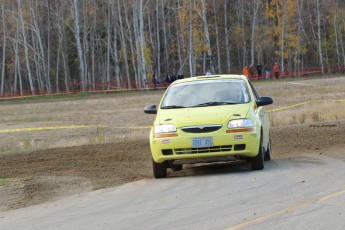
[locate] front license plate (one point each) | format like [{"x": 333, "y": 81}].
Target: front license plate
[{"x": 202, "y": 142}]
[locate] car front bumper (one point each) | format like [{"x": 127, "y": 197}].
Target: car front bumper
[{"x": 225, "y": 145}]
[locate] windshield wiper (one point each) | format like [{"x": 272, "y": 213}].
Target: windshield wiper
[
  {"x": 214, "y": 103},
  {"x": 172, "y": 107}
]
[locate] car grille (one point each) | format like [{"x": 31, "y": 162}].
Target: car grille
[
  {"x": 201, "y": 128},
  {"x": 213, "y": 149}
]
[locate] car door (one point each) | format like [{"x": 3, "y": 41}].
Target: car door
[{"x": 262, "y": 114}]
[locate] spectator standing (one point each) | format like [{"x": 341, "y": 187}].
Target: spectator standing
[
  {"x": 267, "y": 71},
  {"x": 173, "y": 78},
  {"x": 259, "y": 70},
  {"x": 276, "y": 70},
  {"x": 251, "y": 71},
  {"x": 245, "y": 71},
  {"x": 154, "y": 81},
  {"x": 167, "y": 79}
]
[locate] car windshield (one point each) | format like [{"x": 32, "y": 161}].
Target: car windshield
[{"x": 206, "y": 93}]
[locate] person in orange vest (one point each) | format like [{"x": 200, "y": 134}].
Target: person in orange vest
[{"x": 245, "y": 71}]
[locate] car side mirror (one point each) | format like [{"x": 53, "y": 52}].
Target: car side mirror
[
  {"x": 264, "y": 101},
  {"x": 150, "y": 109}
]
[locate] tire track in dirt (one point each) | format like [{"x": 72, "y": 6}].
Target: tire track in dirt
[{"x": 53, "y": 173}]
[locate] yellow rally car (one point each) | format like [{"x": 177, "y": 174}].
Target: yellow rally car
[{"x": 209, "y": 119}]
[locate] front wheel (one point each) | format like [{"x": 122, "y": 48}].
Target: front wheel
[
  {"x": 258, "y": 161},
  {"x": 159, "y": 169}
]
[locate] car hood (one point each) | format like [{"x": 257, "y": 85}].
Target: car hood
[{"x": 202, "y": 115}]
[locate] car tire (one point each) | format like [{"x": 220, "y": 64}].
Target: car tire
[
  {"x": 268, "y": 151},
  {"x": 257, "y": 162},
  {"x": 159, "y": 169}
]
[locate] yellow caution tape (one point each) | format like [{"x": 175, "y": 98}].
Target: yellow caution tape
[
  {"x": 68, "y": 127},
  {"x": 303, "y": 103},
  {"x": 141, "y": 127},
  {"x": 45, "y": 128}
]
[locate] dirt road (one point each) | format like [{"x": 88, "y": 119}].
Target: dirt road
[{"x": 51, "y": 174}]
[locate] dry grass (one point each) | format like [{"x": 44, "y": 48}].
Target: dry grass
[
  {"x": 110, "y": 115},
  {"x": 320, "y": 93}
]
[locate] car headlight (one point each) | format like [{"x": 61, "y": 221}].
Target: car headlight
[
  {"x": 240, "y": 123},
  {"x": 166, "y": 128}
]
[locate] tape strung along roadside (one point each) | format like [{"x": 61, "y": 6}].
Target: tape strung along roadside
[
  {"x": 303, "y": 103},
  {"x": 140, "y": 127},
  {"x": 66, "y": 127}
]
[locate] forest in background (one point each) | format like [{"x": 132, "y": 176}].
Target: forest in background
[{"x": 52, "y": 46}]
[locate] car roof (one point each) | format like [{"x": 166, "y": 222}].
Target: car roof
[{"x": 214, "y": 77}]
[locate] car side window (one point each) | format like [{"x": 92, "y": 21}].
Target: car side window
[{"x": 256, "y": 95}]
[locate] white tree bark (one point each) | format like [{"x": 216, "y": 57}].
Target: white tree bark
[
  {"x": 133, "y": 51},
  {"x": 191, "y": 45},
  {"x": 123, "y": 42},
  {"x": 217, "y": 39},
  {"x": 26, "y": 49},
  {"x": 255, "y": 8},
  {"x": 76, "y": 33},
  {"x": 283, "y": 36},
  {"x": 4, "y": 35},
  {"x": 49, "y": 88},
  {"x": 207, "y": 38},
  {"x": 226, "y": 35},
  {"x": 142, "y": 41},
  {"x": 319, "y": 34}
]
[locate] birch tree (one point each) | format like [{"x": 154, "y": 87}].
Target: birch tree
[
  {"x": 255, "y": 7},
  {"x": 26, "y": 47},
  {"x": 191, "y": 44},
  {"x": 4, "y": 35},
  {"x": 318, "y": 6},
  {"x": 207, "y": 38},
  {"x": 76, "y": 33}
]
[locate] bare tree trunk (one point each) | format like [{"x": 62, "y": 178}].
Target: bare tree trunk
[
  {"x": 57, "y": 65},
  {"x": 178, "y": 39},
  {"x": 164, "y": 27},
  {"x": 115, "y": 47},
  {"x": 123, "y": 43},
  {"x": 116, "y": 61},
  {"x": 85, "y": 45},
  {"x": 282, "y": 37},
  {"x": 39, "y": 56},
  {"x": 244, "y": 47},
  {"x": 191, "y": 45},
  {"x": 256, "y": 5},
  {"x": 26, "y": 49},
  {"x": 48, "y": 48},
  {"x": 158, "y": 42},
  {"x": 207, "y": 38},
  {"x": 17, "y": 64},
  {"x": 142, "y": 41},
  {"x": 335, "y": 21},
  {"x": 217, "y": 39},
  {"x": 226, "y": 34},
  {"x": 130, "y": 37},
  {"x": 93, "y": 45},
  {"x": 108, "y": 50},
  {"x": 76, "y": 32},
  {"x": 61, "y": 48},
  {"x": 319, "y": 34},
  {"x": 18, "y": 67},
  {"x": 3, "y": 51}
]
